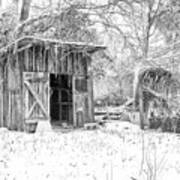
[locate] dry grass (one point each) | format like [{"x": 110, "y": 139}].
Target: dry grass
[{"x": 111, "y": 153}]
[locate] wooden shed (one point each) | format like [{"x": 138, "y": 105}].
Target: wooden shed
[{"x": 46, "y": 80}]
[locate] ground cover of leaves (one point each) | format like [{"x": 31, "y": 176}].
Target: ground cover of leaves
[{"x": 112, "y": 152}]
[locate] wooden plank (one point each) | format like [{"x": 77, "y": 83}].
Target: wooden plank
[
  {"x": 77, "y": 63},
  {"x": 80, "y": 64},
  {"x": 24, "y": 48},
  {"x": 1, "y": 98},
  {"x": 9, "y": 109},
  {"x": 59, "y": 59},
  {"x": 50, "y": 62},
  {"x": 73, "y": 63},
  {"x": 2, "y": 107},
  {"x": 68, "y": 64},
  {"x": 35, "y": 112},
  {"x": 36, "y": 98},
  {"x": 90, "y": 126},
  {"x": 26, "y": 100},
  {"x": 14, "y": 119},
  {"x": 86, "y": 106},
  {"x": 33, "y": 58},
  {"x": 90, "y": 99},
  {"x": 21, "y": 109},
  {"x": 40, "y": 76},
  {"x": 40, "y": 58},
  {"x": 31, "y": 110},
  {"x": 55, "y": 49},
  {"x": 80, "y": 109},
  {"x": 141, "y": 108},
  {"x": 26, "y": 59},
  {"x": 48, "y": 95},
  {"x": 5, "y": 98},
  {"x": 85, "y": 65},
  {"x": 46, "y": 60},
  {"x": 62, "y": 61},
  {"x": 74, "y": 102},
  {"x": 19, "y": 112},
  {"x": 154, "y": 93}
]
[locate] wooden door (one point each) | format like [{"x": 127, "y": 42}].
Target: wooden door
[
  {"x": 36, "y": 95},
  {"x": 80, "y": 100}
]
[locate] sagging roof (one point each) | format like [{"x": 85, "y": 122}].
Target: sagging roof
[{"x": 28, "y": 41}]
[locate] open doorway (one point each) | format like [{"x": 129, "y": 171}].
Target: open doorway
[{"x": 61, "y": 105}]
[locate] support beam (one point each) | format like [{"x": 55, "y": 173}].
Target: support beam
[
  {"x": 154, "y": 93},
  {"x": 141, "y": 108}
]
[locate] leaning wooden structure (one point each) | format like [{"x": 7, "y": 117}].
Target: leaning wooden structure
[
  {"x": 48, "y": 80},
  {"x": 154, "y": 83}
]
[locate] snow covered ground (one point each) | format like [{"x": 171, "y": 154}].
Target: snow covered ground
[{"x": 112, "y": 152}]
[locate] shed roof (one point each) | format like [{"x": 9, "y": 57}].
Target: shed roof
[{"x": 28, "y": 41}]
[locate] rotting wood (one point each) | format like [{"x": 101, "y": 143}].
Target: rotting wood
[
  {"x": 56, "y": 58},
  {"x": 90, "y": 126},
  {"x": 36, "y": 97},
  {"x": 41, "y": 59},
  {"x": 154, "y": 93},
  {"x": 2, "y": 108},
  {"x": 1, "y": 95},
  {"x": 32, "y": 58},
  {"x": 90, "y": 99},
  {"x": 24, "y": 48},
  {"x": 31, "y": 110},
  {"x": 9, "y": 111},
  {"x": 70, "y": 71},
  {"x": 30, "y": 39},
  {"x": 141, "y": 108},
  {"x": 68, "y": 64}
]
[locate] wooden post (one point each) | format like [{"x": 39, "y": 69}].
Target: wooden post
[
  {"x": 1, "y": 97},
  {"x": 74, "y": 102},
  {"x": 24, "y": 9},
  {"x": 141, "y": 107},
  {"x": 90, "y": 98},
  {"x": 9, "y": 109}
]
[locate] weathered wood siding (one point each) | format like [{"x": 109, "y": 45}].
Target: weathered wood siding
[
  {"x": 1, "y": 97},
  {"x": 36, "y": 95},
  {"x": 12, "y": 94},
  {"x": 53, "y": 60},
  {"x": 37, "y": 58}
]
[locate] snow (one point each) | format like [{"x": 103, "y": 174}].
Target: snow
[{"x": 112, "y": 152}]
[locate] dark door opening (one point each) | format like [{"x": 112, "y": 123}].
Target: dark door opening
[{"x": 61, "y": 109}]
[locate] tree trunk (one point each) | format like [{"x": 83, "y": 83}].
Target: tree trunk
[
  {"x": 24, "y": 8},
  {"x": 145, "y": 49}
]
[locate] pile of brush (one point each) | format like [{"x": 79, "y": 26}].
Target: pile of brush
[{"x": 166, "y": 124}]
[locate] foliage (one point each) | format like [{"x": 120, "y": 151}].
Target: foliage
[
  {"x": 130, "y": 29},
  {"x": 8, "y": 20},
  {"x": 169, "y": 20},
  {"x": 67, "y": 23}
]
